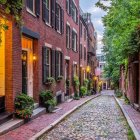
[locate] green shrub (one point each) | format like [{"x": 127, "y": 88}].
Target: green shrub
[
  {"x": 47, "y": 100},
  {"x": 126, "y": 100},
  {"x": 76, "y": 81},
  {"x": 118, "y": 93},
  {"x": 86, "y": 82},
  {"x": 24, "y": 106},
  {"x": 83, "y": 91},
  {"x": 76, "y": 96},
  {"x": 130, "y": 134}
]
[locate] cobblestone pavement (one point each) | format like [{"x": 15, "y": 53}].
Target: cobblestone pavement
[{"x": 100, "y": 119}]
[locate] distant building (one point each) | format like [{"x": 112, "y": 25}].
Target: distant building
[{"x": 99, "y": 71}]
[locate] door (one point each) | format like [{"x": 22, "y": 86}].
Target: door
[
  {"x": 67, "y": 85},
  {"x": 27, "y": 65},
  {"x": 24, "y": 72},
  {"x": 2, "y": 69}
]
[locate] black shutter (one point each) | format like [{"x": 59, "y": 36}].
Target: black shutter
[
  {"x": 56, "y": 64},
  {"x": 37, "y": 7},
  {"x": 72, "y": 73},
  {"x": 76, "y": 41},
  {"x": 56, "y": 16},
  {"x": 53, "y": 63},
  {"x": 53, "y": 2},
  {"x": 61, "y": 58},
  {"x": 67, "y": 5},
  {"x": 81, "y": 51},
  {"x": 77, "y": 16},
  {"x": 44, "y": 68},
  {"x": 62, "y": 21},
  {"x": 44, "y": 10},
  {"x": 72, "y": 39},
  {"x": 70, "y": 7}
]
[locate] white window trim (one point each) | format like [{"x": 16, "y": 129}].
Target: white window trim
[
  {"x": 49, "y": 62},
  {"x": 49, "y": 23},
  {"x": 48, "y": 45},
  {"x": 68, "y": 36},
  {"x": 31, "y": 12},
  {"x": 74, "y": 30}
]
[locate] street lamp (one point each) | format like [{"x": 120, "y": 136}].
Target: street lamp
[{"x": 88, "y": 69}]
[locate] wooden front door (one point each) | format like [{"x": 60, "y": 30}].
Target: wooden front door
[{"x": 27, "y": 66}]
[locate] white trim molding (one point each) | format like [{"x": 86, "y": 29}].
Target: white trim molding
[
  {"x": 67, "y": 58},
  {"x": 48, "y": 45}
]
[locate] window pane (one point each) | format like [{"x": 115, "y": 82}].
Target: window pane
[
  {"x": 48, "y": 57},
  {"x": 47, "y": 4},
  {"x": 30, "y": 4}
]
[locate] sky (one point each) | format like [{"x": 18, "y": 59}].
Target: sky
[{"x": 97, "y": 14}]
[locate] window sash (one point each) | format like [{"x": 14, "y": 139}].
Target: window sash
[
  {"x": 47, "y": 11},
  {"x": 48, "y": 62},
  {"x": 68, "y": 36},
  {"x": 31, "y": 5}
]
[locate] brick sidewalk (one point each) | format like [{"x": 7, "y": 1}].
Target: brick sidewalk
[
  {"x": 133, "y": 114},
  {"x": 26, "y": 131}
]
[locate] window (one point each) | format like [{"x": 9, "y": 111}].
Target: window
[
  {"x": 59, "y": 63},
  {"x": 58, "y": 17},
  {"x": 67, "y": 36},
  {"x": 46, "y": 11},
  {"x": 85, "y": 53},
  {"x": 68, "y": 6},
  {"x": 31, "y": 5},
  {"x": 74, "y": 12},
  {"x": 85, "y": 34},
  {"x": 74, "y": 40},
  {"x": 81, "y": 29},
  {"x": 46, "y": 63}
]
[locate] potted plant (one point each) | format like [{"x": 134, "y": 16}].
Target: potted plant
[
  {"x": 83, "y": 91},
  {"x": 24, "y": 106},
  {"x": 76, "y": 84},
  {"x": 50, "y": 81},
  {"x": 59, "y": 78},
  {"x": 67, "y": 82},
  {"x": 47, "y": 100}
]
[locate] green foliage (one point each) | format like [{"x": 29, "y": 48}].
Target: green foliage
[
  {"x": 122, "y": 34},
  {"x": 59, "y": 78},
  {"x": 50, "y": 80},
  {"x": 47, "y": 100},
  {"x": 83, "y": 91},
  {"x": 76, "y": 96},
  {"x": 24, "y": 106},
  {"x": 126, "y": 100},
  {"x": 130, "y": 134},
  {"x": 86, "y": 82},
  {"x": 12, "y": 7},
  {"x": 118, "y": 93},
  {"x": 76, "y": 81}
]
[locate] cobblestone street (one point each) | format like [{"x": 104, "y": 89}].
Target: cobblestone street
[{"x": 99, "y": 119}]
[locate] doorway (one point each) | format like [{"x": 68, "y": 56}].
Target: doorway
[
  {"x": 2, "y": 69},
  {"x": 67, "y": 85},
  {"x": 27, "y": 66}
]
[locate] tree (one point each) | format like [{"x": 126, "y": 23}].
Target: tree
[{"x": 122, "y": 34}]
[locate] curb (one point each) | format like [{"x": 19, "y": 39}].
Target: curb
[
  {"x": 52, "y": 125},
  {"x": 136, "y": 133}
]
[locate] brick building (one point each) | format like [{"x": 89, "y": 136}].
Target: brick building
[
  {"x": 129, "y": 84},
  {"x": 47, "y": 46},
  {"x": 83, "y": 48}
]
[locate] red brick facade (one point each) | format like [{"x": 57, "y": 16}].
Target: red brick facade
[
  {"x": 43, "y": 35},
  {"x": 130, "y": 84}
]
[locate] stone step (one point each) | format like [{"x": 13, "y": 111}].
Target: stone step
[
  {"x": 10, "y": 125},
  {"x": 38, "y": 111},
  {"x": 4, "y": 117},
  {"x": 15, "y": 123},
  {"x": 36, "y": 105}
]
